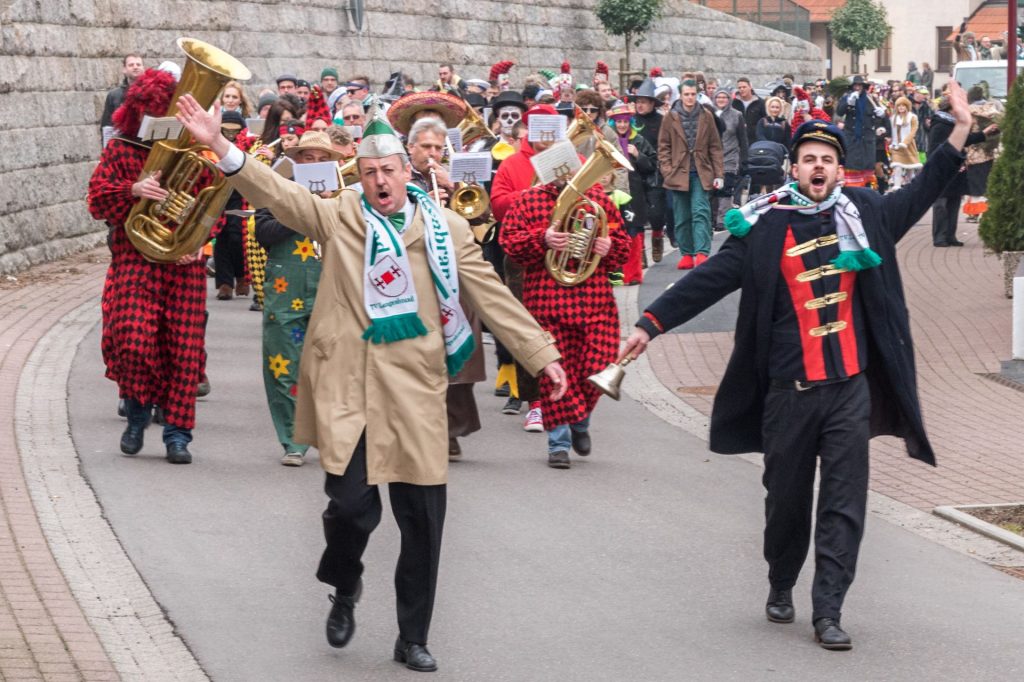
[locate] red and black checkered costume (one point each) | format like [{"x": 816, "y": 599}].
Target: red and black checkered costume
[
  {"x": 152, "y": 338},
  {"x": 584, "y": 318}
]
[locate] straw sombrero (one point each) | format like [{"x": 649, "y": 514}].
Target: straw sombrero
[
  {"x": 314, "y": 139},
  {"x": 449, "y": 107}
]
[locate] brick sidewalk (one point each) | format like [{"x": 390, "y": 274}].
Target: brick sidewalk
[
  {"x": 961, "y": 329},
  {"x": 43, "y": 633}
]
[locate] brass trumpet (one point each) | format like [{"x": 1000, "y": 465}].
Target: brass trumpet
[
  {"x": 583, "y": 219},
  {"x": 164, "y": 231},
  {"x": 348, "y": 173},
  {"x": 470, "y": 201}
]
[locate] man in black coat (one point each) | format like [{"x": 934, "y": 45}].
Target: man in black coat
[
  {"x": 946, "y": 211},
  {"x": 131, "y": 69},
  {"x": 648, "y": 122},
  {"x": 823, "y": 359}
]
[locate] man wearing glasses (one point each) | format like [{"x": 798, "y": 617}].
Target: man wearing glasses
[
  {"x": 353, "y": 114},
  {"x": 358, "y": 87}
]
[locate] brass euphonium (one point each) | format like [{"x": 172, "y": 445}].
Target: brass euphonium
[
  {"x": 164, "y": 231},
  {"x": 581, "y": 128},
  {"x": 583, "y": 219},
  {"x": 474, "y": 128}
]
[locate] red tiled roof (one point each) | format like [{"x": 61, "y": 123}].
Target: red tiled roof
[
  {"x": 988, "y": 20},
  {"x": 821, "y": 10}
]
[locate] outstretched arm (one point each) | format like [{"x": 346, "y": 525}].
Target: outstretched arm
[
  {"x": 290, "y": 202},
  {"x": 695, "y": 292}
]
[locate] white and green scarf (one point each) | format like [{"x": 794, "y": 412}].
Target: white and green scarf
[
  {"x": 855, "y": 252},
  {"x": 389, "y": 293}
]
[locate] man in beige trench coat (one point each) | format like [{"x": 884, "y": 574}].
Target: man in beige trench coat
[{"x": 375, "y": 408}]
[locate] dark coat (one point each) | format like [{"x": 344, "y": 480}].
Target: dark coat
[
  {"x": 674, "y": 153},
  {"x": 752, "y": 113},
  {"x": 115, "y": 98},
  {"x": 942, "y": 126},
  {"x": 751, "y": 264}
]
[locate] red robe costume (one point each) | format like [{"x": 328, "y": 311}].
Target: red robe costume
[
  {"x": 152, "y": 340},
  {"x": 584, "y": 318},
  {"x": 514, "y": 175}
]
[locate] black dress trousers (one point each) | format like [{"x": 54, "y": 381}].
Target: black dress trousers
[
  {"x": 945, "y": 213},
  {"x": 829, "y": 422},
  {"x": 353, "y": 512}
]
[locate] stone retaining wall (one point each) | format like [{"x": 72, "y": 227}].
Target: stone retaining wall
[{"x": 59, "y": 57}]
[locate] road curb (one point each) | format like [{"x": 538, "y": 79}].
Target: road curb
[
  {"x": 131, "y": 625},
  {"x": 987, "y": 529}
]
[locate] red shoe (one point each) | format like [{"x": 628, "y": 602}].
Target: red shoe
[
  {"x": 701, "y": 257},
  {"x": 685, "y": 263}
]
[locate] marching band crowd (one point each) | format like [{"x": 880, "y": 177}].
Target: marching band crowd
[{"x": 377, "y": 286}]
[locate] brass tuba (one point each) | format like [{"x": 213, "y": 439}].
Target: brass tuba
[
  {"x": 164, "y": 231},
  {"x": 583, "y": 219}
]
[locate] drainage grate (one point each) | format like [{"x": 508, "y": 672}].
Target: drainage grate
[
  {"x": 1004, "y": 381},
  {"x": 1015, "y": 571}
]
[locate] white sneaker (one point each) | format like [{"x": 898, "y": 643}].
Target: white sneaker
[
  {"x": 293, "y": 459},
  {"x": 534, "y": 422}
]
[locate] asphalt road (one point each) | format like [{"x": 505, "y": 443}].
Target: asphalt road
[{"x": 642, "y": 562}]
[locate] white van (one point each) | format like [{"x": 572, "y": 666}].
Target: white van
[{"x": 993, "y": 71}]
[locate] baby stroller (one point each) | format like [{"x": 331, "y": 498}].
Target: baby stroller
[{"x": 767, "y": 164}]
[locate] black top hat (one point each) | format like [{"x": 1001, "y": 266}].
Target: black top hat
[{"x": 508, "y": 98}]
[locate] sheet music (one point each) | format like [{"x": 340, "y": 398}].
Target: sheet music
[
  {"x": 159, "y": 128},
  {"x": 560, "y": 161},
  {"x": 471, "y": 167},
  {"x": 455, "y": 137},
  {"x": 255, "y": 126},
  {"x": 547, "y": 127},
  {"x": 283, "y": 167},
  {"x": 317, "y": 177},
  {"x": 355, "y": 131}
]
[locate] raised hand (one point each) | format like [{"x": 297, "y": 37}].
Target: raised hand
[{"x": 204, "y": 126}]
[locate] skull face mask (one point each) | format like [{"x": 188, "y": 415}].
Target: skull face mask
[{"x": 509, "y": 116}]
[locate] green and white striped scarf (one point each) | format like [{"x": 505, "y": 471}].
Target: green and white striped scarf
[{"x": 389, "y": 293}]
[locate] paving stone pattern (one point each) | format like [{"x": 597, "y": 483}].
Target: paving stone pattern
[{"x": 961, "y": 328}]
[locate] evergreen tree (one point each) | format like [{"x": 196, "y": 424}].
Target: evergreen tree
[{"x": 1002, "y": 225}]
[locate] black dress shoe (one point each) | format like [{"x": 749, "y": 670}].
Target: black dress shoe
[
  {"x": 341, "y": 621},
  {"x": 177, "y": 453},
  {"x": 131, "y": 439},
  {"x": 956, "y": 243},
  {"x": 830, "y": 636},
  {"x": 940, "y": 245},
  {"x": 779, "y": 608},
  {"x": 415, "y": 656},
  {"x": 581, "y": 442}
]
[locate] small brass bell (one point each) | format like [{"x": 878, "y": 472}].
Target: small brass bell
[{"x": 610, "y": 378}]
